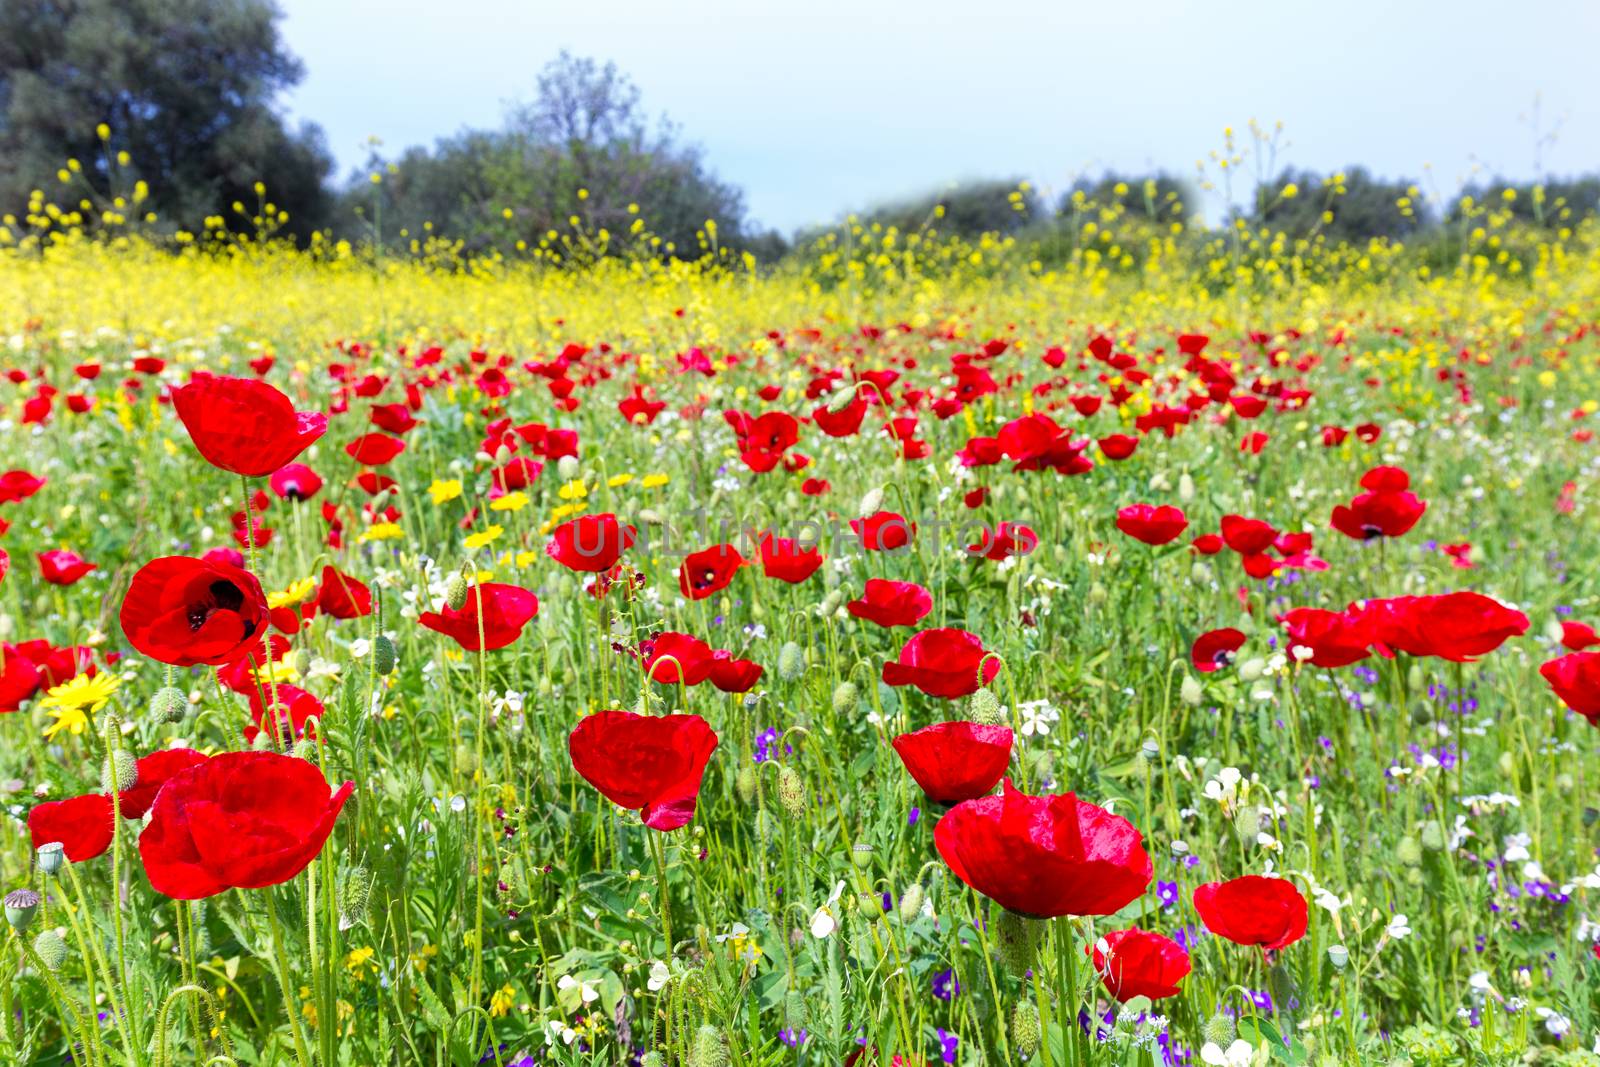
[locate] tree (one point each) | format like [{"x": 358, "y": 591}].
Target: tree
[
  {"x": 965, "y": 209},
  {"x": 187, "y": 89},
  {"x": 1159, "y": 196},
  {"x": 1351, "y": 206}
]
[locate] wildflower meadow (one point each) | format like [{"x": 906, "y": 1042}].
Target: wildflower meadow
[{"x": 911, "y": 652}]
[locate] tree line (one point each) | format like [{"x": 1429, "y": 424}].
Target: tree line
[{"x": 167, "y": 110}]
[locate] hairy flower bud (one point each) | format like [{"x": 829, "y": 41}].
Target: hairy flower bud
[
  {"x": 355, "y": 893},
  {"x": 872, "y": 501},
  {"x": 51, "y": 949},
  {"x": 745, "y": 784},
  {"x": 791, "y": 792},
  {"x": 1017, "y": 940},
  {"x": 383, "y": 654},
  {"x": 1219, "y": 1030},
  {"x": 795, "y": 1011},
  {"x": 568, "y": 467},
  {"x": 169, "y": 705},
  {"x": 1190, "y": 691},
  {"x": 791, "y": 661},
  {"x": 305, "y": 749},
  {"x": 1025, "y": 1033},
  {"x": 844, "y": 698},
  {"x": 455, "y": 592},
  {"x": 911, "y": 902},
  {"x": 985, "y": 708},
  {"x": 710, "y": 1048},
  {"x": 119, "y": 772}
]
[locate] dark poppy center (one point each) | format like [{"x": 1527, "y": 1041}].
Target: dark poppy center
[
  {"x": 1368, "y": 532},
  {"x": 1222, "y": 658}
]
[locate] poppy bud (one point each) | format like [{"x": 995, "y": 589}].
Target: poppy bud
[
  {"x": 791, "y": 661},
  {"x": 1219, "y": 1030},
  {"x": 795, "y": 1011},
  {"x": 744, "y": 784},
  {"x": 986, "y": 708},
  {"x": 861, "y": 855},
  {"x": 710, "y": 1048},
  {"x": 1190, "y": 692},
  {"x": 1421, "y": 712},
  {"x": 1017, "y": 938},
  {"x": 840, "y": 399},
  {"x": 354, "y": 894},
  {"x": 20, "y": 905},
  {"x": 651, "y": 516},
  {"x": 791, "y": 792},
  {"x": 844, "y": 697},
  {"x": 653, "y": 1059},
  {"x": 567, "y": 467},
  {"x": 1200, "y": 573},
  {"x": 119, "y": 773},
  {"x": 1433, "y": 836},
  {"x": 1252, "y": 669},
  {"x": 51, "y": 857},
  {"x": 1159, "y": 483},
  {"x": 1247, "y": 823},
  {"x": 831, "y": 602},
  {"x": 872, "y": 502},
  {"x": 1185, "y": 487},
  {"x": 1408, "y": 851},
  {"x": 169, "y": 705},
  {"x": 1564, "y": 783},
  {"x": 1025, "y": 1028},
  {"x": 1097, "y": 594},
  {"x": 51, "y": 949},
  {"x": 305, "y": 749},
  {"x": 455, "y": 592},
  {"x": 911, "y": 902},
  {"x": 263, "y": 742},
  {"x": 383, "y": 654},
  {"x": 1414, "y": 679}
]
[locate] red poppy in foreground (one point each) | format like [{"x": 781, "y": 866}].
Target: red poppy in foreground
[
  {"x": 672, "y": 657},
  {"x": 1387, "y": 509},
  {"x": 1139, "y": 963},
  {"x": 708, "y": 571},
  {"x": 942, "y": 662},
  {"x": 83, "y": 825},
  {"x": 244, "y": 425},
  {"x": 506, "y": 610},
  {"x": 1575, "y": 680},
  {"x": 184, "y": 611},
  {"x": 1455, "y": 626},
  {"x": 891, "y": 603},
  {"x": 590, "y": 543},
  {"x": 1214, "y": 649},
  {"x": 342, "y": 596},
  {"x": 1044, "y": 856},
  {"x": 649, "y": 763},
  {"x": 883, "y": 531},
  {"x": 789, "y": 560},
  {"x": 240, "y": 820},
  {"x": 1152, "y": 524},
  {"x": 63, "y": 567},
  {"x": 956, "y": 761},
  {"x": 1253, "y": 910}
]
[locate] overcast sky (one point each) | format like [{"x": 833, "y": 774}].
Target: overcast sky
[{"x": 817, "y": 108}]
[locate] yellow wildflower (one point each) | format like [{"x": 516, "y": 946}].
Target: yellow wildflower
[
  {"x": 484, "y": 537},
  {"x": 442, "y": 491}
]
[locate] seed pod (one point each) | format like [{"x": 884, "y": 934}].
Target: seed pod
[
  {"x": 1025, "y": 1033},
  {"x": 455, "y": 592},
  {"x": 383, "y": 654},
  {"x": 861, "y": 855},
  {"x": 20, "y": 905},
  {"x": 985, "y": 708},
  {"x": 51, "y": 856},
  {"x": 1219, "y": 1030},
  {"x": 305, "y": 749},
  {"x": 119, "y": 773},
  {"x": 710, "y": 1048},
  {"x": 1339, "y": 956},
  {"x": 355, "y": 893},
  {"x": 911, "y": 902},
  {"x": 52, "y": 950},
  {"x": 791, "y": 661},
  {"x": 791, "y": 792},
  {"x": 745, "y": 784},
  {"x": 1017, "y": 940},
  {"x": 169, "y": 705},
  {"x": 844, "y": 697}
]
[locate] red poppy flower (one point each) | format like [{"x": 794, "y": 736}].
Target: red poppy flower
[
  {"x": 956, "y": 761},
  {"x": 1153, "y": 524},
  {"x": 244, "y": 425},
  {"x": 62, "y": 566},
  {"x": 5, "y": 564},
  {"x": 891, "y": 603},
  {"x": 184, "y": 611},
  {"x": 393, "y": 418},
  {"x": 1035, "y": 442},
  {"x": 83, "y": 825},
  {"x": 764, "y": 440},
  {"x": 295, "y": 481},
  {"x": 1253, "y": 910},
  {"x": 1214, "y": 649},
  {"x": 1004, "y": 541},
  {"x": 506, "y": 610},
  {"x": 672, "y": 656},
  {"x": 1575, "y": 680},
  {"x": 590, "y": 543},
  {"x": 240, "y": 820},
  {"x": 18, "y": 485},
  {"x": 1044, "y": 856},
  {"x": 342, "y": 596},
  {"x": 650, "y": 763},
  {"x": 1208, "y": 544},
  {"x": 1139, "y": 963},
  {"x": 708, "y": 571},
  {"x": 789, "y": 560},
  {"x": 942, "y": 663},
  {"x": 1335, "y": 638},
  {"x": 883, "y": 531},
  {"x": 297, "y": 708},
  {"x": 1455, "y": 626},
  {"x": 1387, "y": 509},
  {"x": 1578, "y": 636},
  {"x": 1248, "y": 537},
  {"x": 1333, "y": 436},
  {"x": 734, "y": 675},
  {"x": 374, "y": 449},
  {"x": 1117, "y": 446}
]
